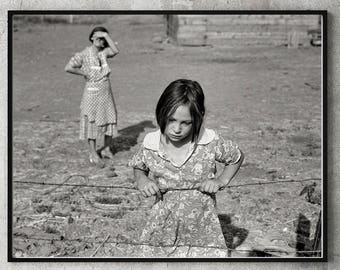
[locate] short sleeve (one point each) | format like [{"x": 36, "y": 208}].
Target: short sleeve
[
  {"x": 138, "y": 160},
  {"x": 76, "y": 61},
  {"x": 226, "y": 151}
]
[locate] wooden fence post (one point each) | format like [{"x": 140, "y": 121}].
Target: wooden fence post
[
  {"x": 317, "y": 238},
  {"x": 293, "y": 39}
]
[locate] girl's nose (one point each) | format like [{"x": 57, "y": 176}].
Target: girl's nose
[{"x": 177, "y": 128}]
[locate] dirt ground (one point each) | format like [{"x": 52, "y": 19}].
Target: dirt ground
[{"x": 268, "y": 100}]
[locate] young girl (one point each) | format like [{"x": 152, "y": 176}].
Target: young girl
[
  {"x": 181, "y": 157},
  {"x": 98, "y": 121}
]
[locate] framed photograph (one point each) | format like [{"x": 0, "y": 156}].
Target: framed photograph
[{"x": 167, "y": 136}]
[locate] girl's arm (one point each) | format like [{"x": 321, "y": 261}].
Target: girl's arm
[
  {"x": 229, "y": 171},
  {"x": 144, "y": 184}
]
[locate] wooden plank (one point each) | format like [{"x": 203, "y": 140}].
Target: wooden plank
[
  {"x": 191, "y": 36},
  {"x": 243, "y": 42},
  {"x": 192, "y": 20},
  {"x": 246, "y": 35},
  {"x": 194, "y": 41},
  {"x": 262, "y": 21},
  {"x": 192, "y": 28},
  {"x": 303, "y": 22},
  {"x": 198, "y": 16},
  {"x": 252, "y": 35},
  {"x": 244, "y": 28},
  {"x": 230, "y": 19}
]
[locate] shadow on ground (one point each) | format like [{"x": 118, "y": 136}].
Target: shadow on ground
[
  {"x": 234, "y": 236},
  {"x": 128, "y": 136},
  {"x": 305, "y": 246}
]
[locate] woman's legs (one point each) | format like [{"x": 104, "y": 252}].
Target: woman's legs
[
  {"x": 105, "y": 150},
  {"x": 94, "y": 157}
]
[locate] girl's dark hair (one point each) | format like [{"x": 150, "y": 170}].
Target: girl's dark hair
[
  {"x": 98, "y": 29},
  {"x": 177, "y": 93}
]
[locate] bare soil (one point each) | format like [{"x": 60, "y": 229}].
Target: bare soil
[{"x": 268, "y": 100}]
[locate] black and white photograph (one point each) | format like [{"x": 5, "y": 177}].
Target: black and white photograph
[{"x": 167, "y": 136}]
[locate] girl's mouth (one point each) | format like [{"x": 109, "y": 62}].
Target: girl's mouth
[{"x": 175, "y": 136}]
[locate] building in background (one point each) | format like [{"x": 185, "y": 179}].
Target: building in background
[{"x": 235, "y": 30}]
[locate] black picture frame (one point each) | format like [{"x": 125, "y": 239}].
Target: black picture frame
[{"x": 323, "y": 214}]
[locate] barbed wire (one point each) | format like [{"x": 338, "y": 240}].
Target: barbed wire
[
  {"x": 106, "y": 241},
  {"x": 167, "y": 189},
  {"x": 276, "y": 249}
]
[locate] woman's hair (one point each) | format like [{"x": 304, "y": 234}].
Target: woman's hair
[
  {"x": 181, "y": 92},
  {"x": 98, "y": 29}
]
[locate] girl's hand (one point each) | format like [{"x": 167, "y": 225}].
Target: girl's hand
[
  {"x": 210, "y": 186},
  {"x": 148, "y": 188}
]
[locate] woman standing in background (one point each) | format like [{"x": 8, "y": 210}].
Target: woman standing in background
[{"x": 98, "y": 117}]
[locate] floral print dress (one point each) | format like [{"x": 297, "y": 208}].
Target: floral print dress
[
  {"x": 98, "y": 115},
  {"x": 184, "y": 222}
]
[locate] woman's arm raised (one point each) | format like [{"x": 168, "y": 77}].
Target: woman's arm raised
[{"x": 112, "y": 50}]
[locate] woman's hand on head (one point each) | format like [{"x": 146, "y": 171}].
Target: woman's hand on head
[
  {"x": 148, "y": 188},
  {"x": 210, "y": 186},
  {"x": 101, "y": 34}
]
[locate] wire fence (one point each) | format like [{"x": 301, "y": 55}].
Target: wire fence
[
  {"x": 272, "y": 249},
  {"x": 64, "y": 183}
]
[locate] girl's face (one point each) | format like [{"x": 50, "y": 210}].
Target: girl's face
[{"x": 179, "y": 126}]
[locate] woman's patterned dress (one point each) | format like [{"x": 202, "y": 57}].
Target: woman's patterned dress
[{"x": 98, "y": 117}]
